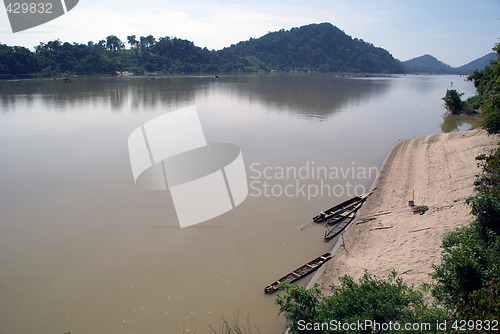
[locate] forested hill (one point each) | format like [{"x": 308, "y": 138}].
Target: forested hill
[
  {"x": 315, "y": 47},
  {"x": 430, "y": 64},
  {"x": 427, "y": 63},
  {"x": 479, "y": 64}
]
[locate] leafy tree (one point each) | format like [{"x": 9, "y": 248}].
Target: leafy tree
[
  {"x": 64, "y": 58},
  {"x": 486, "y": 204},
  {"x": 17, "y": 61},
  {"x": 484, "y": 305},
  {"x": 488, "y": 181},
  {"x": 491, "y": 113},
  {"x": 470, "y": 259},
  {"x": 101, "y": 44},
  {"x": 487, "y": 83},
  {"x": 487, "y": 209},
  {"x": 453, "y": 102},
  {"x": 147, "y": 42}
]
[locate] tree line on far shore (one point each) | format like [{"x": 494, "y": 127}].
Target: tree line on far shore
[
  {"x": 109, "y": 57},
  {"x": 315, "y": 47}
]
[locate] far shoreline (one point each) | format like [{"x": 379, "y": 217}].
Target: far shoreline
[{"x": 126, "y": 74}]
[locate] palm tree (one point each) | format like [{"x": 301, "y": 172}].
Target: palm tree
[
  {"x": 114, "y": 43},
  {"x": 148, "y": 41},
  {"x": 132, "y": 41},
  {"x": 142, "y": 42}
]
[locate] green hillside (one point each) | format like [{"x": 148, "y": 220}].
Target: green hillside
[{"x": 315, "y": 47}]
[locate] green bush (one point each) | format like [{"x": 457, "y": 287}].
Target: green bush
[
  {"x": 453, "y": 102},
  {"x": 484, "y": 303},
  {"x": 486, "y": 208},
  {"x": 373, "y": 299},
  {"x": 488, "y": 181},
  {"x": 473, "y": 104},
  {"x": 486, "y": 204},
  {"x": 491, "y": 114},
  {"x": 468, "y": 262},
  {"x": 487, "y": 83}
]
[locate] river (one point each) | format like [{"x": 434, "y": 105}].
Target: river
[{"x": 84, "y": 249}]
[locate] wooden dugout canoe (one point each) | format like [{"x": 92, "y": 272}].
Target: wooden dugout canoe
[{"x": 298, "y": 273}]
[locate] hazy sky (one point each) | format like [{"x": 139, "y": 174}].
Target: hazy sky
[{"x": 454, "y": 31}]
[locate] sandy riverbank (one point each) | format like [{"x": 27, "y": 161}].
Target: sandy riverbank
[{"x": 441, "y": 170}]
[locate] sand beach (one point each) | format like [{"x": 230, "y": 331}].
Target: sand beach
[{"x": 438, "y": 171}]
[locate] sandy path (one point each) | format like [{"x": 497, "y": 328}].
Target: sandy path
[{"x": 441, "y": 170}]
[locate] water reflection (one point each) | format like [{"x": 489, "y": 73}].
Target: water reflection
[
  {"x": 453, "y": 123},
  {"x": 115, "y": 93},
  {"x": 307, "y": 95}
]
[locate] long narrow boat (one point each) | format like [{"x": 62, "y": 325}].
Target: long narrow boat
[
  {"x": 330, "y": 233},
  {"x": 337, "y": 212},
  {"x": 344, "y": 213},
  {"x": 346, "y": 218},
  {"x": 298, "y": 273},
  {"x": 324, "y": 215}
]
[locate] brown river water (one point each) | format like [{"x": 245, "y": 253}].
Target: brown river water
[{"x": 84, "y": 249}]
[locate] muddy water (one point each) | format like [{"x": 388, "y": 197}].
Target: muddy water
[{"x": 83, "y": 249}]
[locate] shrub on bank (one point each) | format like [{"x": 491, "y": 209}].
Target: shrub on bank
[
  {"x": 378, "y": 301},
  {"x": 453, "y": 102},
  {"x": 473, "y": 104},
  {"x": 469, "y": 261}
]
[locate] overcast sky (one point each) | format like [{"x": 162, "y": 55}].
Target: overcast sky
[{"x": 454, "y": 31}]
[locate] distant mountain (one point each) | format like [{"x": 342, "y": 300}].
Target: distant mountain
[
  {"x": 429, "y": 64},
  {"x": 315, "y": 47},
  {"x": 478, "y": 64}
]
